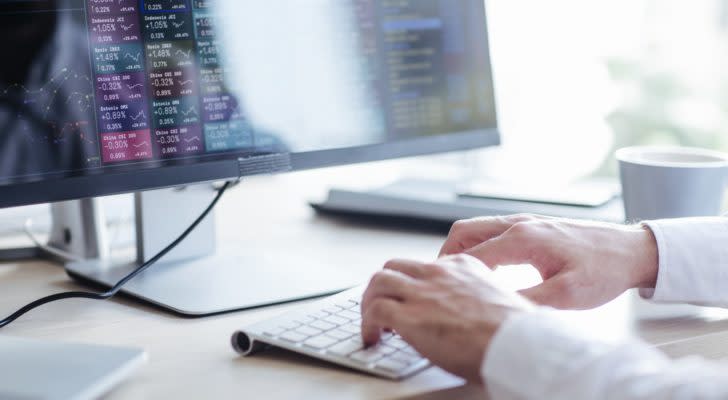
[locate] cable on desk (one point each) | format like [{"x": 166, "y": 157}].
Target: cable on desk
[{"x": 119, "y": 285}]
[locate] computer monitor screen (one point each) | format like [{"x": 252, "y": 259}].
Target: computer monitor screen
[{"x": 105, "y": 96}]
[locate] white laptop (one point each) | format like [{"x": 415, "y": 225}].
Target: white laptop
[{"x": 33, "y": 369}]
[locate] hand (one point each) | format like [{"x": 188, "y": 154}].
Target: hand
[
  {"x": 583, "y": 264},
  {"x": 448, "y": 310}
]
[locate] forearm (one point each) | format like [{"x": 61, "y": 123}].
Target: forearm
[
  {"x": 537, "y": 356},
  {"x": 693, "y": 261}
]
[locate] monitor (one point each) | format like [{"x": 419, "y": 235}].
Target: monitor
[{"x": 101, "y": 97}]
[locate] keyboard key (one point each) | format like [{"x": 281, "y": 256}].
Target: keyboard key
[
  {"x": 386, "y": 350},
  {"x": 273, "y": 331},
  {"x": 353, "y": 329},
  {"x": 333, "y": 309},
  {"x": 289, "y": 324},
  {"x": 336, "y": 320},
  {"x": 351, "y": 316},
  {"x": 345, "y": 348},
  {"x": 308, "y": 331},
  {"x": 367, "y": 356},
  {"x": 319, "y": 314},
  {"x": 320, "y": 342},
  {"x": 397, "y": 343},
  {"x": 339, "y": 334},
  {"x": 305, "y": 320},
  {"x": 323, "y": 325},
  {"x": 405, "y": 358},
  {"x": 388, "y": 364},
  {"x": 347, "y": 304},
  {"x": 409, "y": 350},
  {"x": 294, "y": 337}
]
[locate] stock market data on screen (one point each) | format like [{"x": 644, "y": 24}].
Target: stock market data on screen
[{"x": 89, "y": 86}]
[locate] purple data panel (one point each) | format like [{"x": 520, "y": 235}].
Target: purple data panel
[
  {"x": 179, "y": 141},
  {"x": 126, "y": 146},
  {"x": 126, "y": 87},
  {"x": 173, "y": 83},
  {"x": 115, "y": 117},
  {"x": 220, "y": 108},
  {"x": 115, "y": 29}
]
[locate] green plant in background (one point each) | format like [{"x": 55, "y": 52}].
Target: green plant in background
[
  {"x": 662, "y": 102},
  {"x": 650, "y": 113}
]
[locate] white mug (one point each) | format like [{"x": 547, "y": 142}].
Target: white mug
[{"x": 670, "y": 182}]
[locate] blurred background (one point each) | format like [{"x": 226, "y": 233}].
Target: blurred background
[{"x": 577, "y": 80}]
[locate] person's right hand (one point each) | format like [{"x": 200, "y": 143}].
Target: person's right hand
[{"x": 583, "y": 264}]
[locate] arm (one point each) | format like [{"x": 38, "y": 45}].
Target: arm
[
  {"x": 453, "y": 312},
  {"x": 538, "y": 356}
]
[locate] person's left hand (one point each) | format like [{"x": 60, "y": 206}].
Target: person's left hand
[{"x": 448, "y": 310}]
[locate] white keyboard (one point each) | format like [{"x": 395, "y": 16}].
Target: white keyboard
[{"x": 330, "y": 330}]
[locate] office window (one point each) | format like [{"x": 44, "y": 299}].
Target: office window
[{"x": 576, "y": 80}]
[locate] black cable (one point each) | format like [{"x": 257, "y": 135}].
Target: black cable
[{"x": 116, "y": 288}]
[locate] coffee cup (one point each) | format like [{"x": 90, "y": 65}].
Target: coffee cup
[{"x": 672, "y": 182}]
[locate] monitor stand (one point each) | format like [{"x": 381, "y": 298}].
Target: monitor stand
[
  {"x": 77, "y": 230},
  {"x": 202, "y": 277}
]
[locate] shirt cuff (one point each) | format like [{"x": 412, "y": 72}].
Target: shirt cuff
[
  {"x": 693, "y": 261},
  {"x": 541, "y": 355},
  {"x": 539, "y": 348}
]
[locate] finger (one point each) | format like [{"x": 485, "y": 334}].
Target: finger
[
  {"x": 382, "y": 313},
  {"x": 466, "y": 234},
  {"x": 413, "y": 269},
  {"x": 556, "y": 292},
  {"x": 506, "y": 249},
  {"x": 463, "y": 259},
  {"x": 389, "y": 284}
]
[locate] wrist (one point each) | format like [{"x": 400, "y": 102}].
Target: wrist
[{"x": 646, "y": 254}]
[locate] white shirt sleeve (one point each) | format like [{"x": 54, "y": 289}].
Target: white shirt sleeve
[
  {"x": 539, "y": 356},
  {"x": 693, "y": 261}
]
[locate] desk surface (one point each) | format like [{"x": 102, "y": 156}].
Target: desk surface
[{"x": 192, "y": 358}]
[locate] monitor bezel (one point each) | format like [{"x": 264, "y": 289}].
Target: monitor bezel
[{"x": 114, "y": 183}]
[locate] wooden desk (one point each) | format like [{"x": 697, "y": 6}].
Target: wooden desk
[{"x": 192, "y": 358}]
